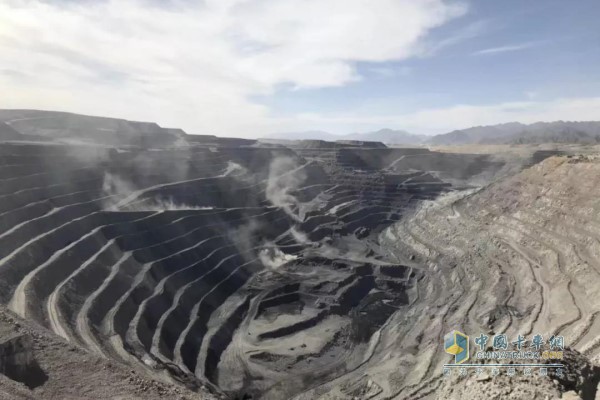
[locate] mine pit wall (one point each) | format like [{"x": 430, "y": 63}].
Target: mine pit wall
[
  {"x": 395, "y": 271},
  {"x": 144, "y": 290},
  {"x": 314, "y": 222},
  {"x": 37, "y": 179},
  {"x": 14, "y": 269},
  {"x": 173, "y": 325},
  {"x": 220, "y": 340},
  {"x": 159, "y": 304},
  {"x": 17, "y": 197},
  {"x": 375, "y": 159},
  {"x": 83, "y": 285},
  {"x": 352, "y": 290},
  {"x": 362, "y": 220},
  {"x": 193, "y": 339},
  {"x": 309, "y": 193},
  {"x": 530, "y": 227},
  {"x": 354, "y": 293},
  {"x": 223, "y": 192},
  {"x": 48, "y": 278},
  {"x": 24, "y": 233},
  {"x": 15, "y": 216},
  {"x": 116, "y": 288},
  {"x": 353, "y": 298},
  {"x": 294, "y": 328},
  {"x": 276, "y": 301},
  {"x": 221, "y": 253},
  {"x": 214, "y": 251}
]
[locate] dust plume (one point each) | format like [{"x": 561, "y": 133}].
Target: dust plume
[
  {"x": 272, "y": 257},
  {"x": 117, "y": 188},
  {"x": 285, "y": 176}
]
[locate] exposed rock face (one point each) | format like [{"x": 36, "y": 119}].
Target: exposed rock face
[
  {"x": 519, "y": 257},
  {"x": 18, "y": 363}
]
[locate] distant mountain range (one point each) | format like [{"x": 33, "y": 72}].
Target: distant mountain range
[
  {"x": 34, "y": 125},
  {"x": 389, "y": 136},
  {"x": 586, "y": 132}
]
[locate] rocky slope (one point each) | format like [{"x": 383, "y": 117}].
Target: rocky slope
[{"x": 519, "y": 256}]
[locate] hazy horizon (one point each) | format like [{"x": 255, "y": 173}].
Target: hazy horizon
[{"x": 315, "y": 134}]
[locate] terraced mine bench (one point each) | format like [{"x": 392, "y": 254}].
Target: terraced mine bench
[{"x": 256, "y": 271}]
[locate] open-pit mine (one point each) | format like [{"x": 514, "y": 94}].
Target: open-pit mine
[{"x": 291, "y": 270}]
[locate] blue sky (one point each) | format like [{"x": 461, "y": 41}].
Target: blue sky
[
  {"x": 503, "y": 51},
  {"x": 254, "y": 67}
]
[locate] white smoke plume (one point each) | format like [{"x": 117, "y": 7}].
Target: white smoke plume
[
  {"x": 272, "y": 257},
  {"x": 285, "y": 176},
  {"x": 118, "y": 188},
  {"x": 234, "y": 168},
  {"x": 246, "y": 237},
  {"x": 299, "y": 236},
  {"x": 171, "y": 205}
]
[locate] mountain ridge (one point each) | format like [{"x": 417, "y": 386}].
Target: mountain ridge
[
  {"x": 579, "y": 132},
  {"x": 42, "y": 125}
]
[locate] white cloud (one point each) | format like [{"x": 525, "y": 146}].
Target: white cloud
[
  {"x": 462, "y": 34},
  {"x": 531, "y": 94},
  {"x": 197, "y": 64},
  {"x": 390, "y": 72},
  {"x": 442, "y": 120},
  {"x": 508, "y": 48}
]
